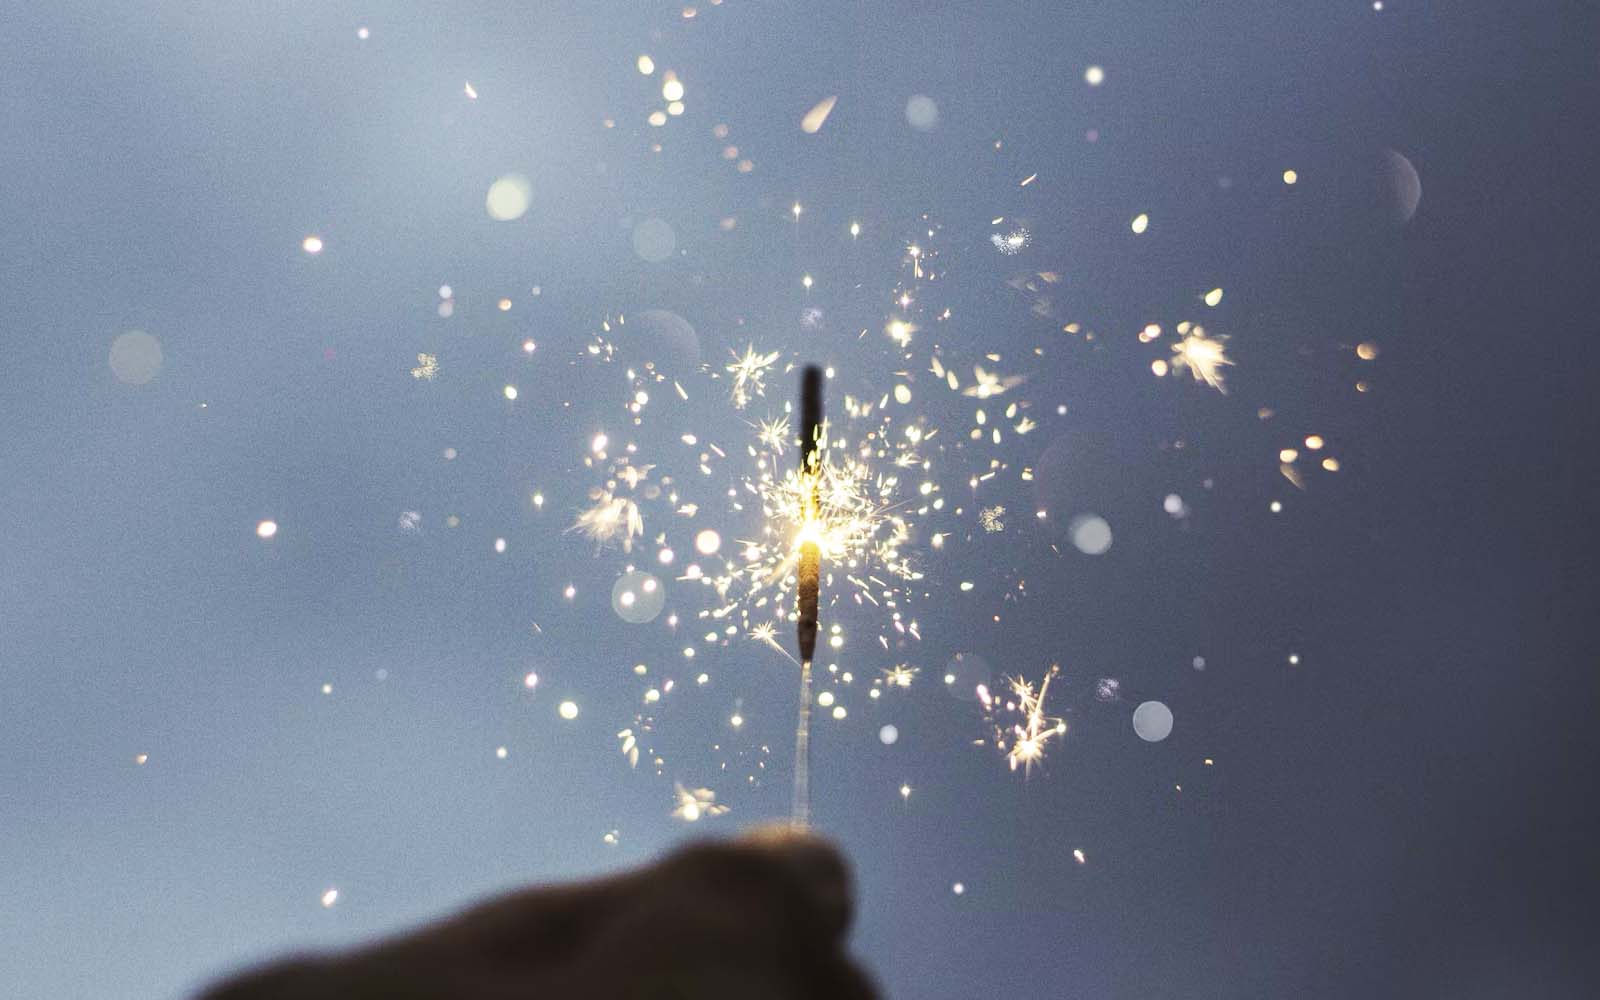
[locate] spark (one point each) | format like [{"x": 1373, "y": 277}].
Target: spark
[
  {"x": 427, "y": 367},
  {"x": 1011, "y": 243},
  {"x": 472, "y": 95},
  {"x": 749, "y": 373},
  {"x": 990, "y": 518},
  {"x": 694, "y": 803},
  {"x": 1023, "y": 741},
  {"x": 1203, "y": 356},
  {"x": 900, "y": 675},
  {"x": 608, "y": 517}
]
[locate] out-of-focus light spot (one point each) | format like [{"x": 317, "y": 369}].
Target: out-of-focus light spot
[
  {"x": 530, "y": 681},
  {"x": 905, "y": 792},
  {"x": 736, "y": 720},
  {"x": 1094, "y": 76},
  {"x": 445, "y": 292},
  {"x": 1366, "y": 350},
  {"x": 1152, "y": 720},
  {"x": 1275, "y": 506},
  {"x": 500, "y": 546},
  {"x": 538, "y": 499},
  {"x": 902, "y": 394},
  {"x": 707, "y": 542},
  {"x": 468, "y": 89},
  {"x": 1287, "y": 455},
  {"x": 672, "y": 88},
  {"x": 311, "y": 244},
  {"x": 1294, "y": 659},
  {"x": 501, "y": 752},
  {"x": 836, "y": 641},
  {"x": 504, "y": 304},
  {"x": 266, "y": 529},
  {"x": 1090, "y": 534},
  {"x": 657, "y": 118},
  {"x": 1214, "y": 297},
  {"x": 654, "y": 240},
  {"x": 922, "y": 113},
  {"x": 958, "y": 888},
  {"x": 570, "y": 592},
  {"x": 330, "y": 897},
  {"x": 855, "y": 229},
  {"x": 1314, "y": 442},
  {"x": 675, "y": 109},
  {"x": 508, "y": 198},
  {"x": 646, "y": 65},
  {"x": 528, "y": 346},
  {"x": 327, "y": 689},
  {"x": 568, "y": 710},
  {"x": 141, "y": 758},
  {"x": 598, "y": 444},
  {"x": 135, "y": 357},
  {"x": 888, "y": 735},
  {"x": 1173, "y": 504},
  {"x": 838, "y": 712},
  {"x": 1331, "y": 464},
  {"x": 1140, "y": 223},
  {"x": 363, "y": 33},
  {"x": 1077, "y": 855},
  {"x": 825, "y": 699},
  {"x": 510, "y": 392},
  {"x": 449, "y": 454},
  {"x": 637, "y": 597},
  {"x": 805, "y": 281},
  {"x": 1290, "y": 177},
  {"x": 688, "y": 652}
]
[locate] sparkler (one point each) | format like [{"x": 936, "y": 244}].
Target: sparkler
[{"x": 809, "y": 576}]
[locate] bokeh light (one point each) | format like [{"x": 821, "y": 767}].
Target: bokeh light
[
  {"x": 508, "y": 198},
  {"x": 1152, "y": 721},
  {"x": 136, "y": 357}
]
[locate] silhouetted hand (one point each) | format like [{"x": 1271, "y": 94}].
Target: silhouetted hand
[{"x": 763, "y": 917}]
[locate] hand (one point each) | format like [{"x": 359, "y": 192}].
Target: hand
[{"x": 763, "y": 918}]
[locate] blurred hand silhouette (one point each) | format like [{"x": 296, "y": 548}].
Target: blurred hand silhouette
[{"x": 757, "y": 918}]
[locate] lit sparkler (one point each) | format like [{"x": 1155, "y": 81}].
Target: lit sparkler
[{"x": 809, "y": 578}]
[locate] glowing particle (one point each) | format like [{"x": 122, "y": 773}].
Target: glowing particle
[
  {"x": 528, "y": 346},
  {"x": 266, "y": 529},
  {"x": 1331, "y": 464},
  {"x": 530, "y": 681},
  {"x": 330, "y": 897},
  {"x": 811, "y": 123},
  {"x": 1294, "y": 659},
  {"x": 855, "y": 229},
  {"x": 1367, "y": 350},
  {"x": 568, "y": 710},
  {"x": 1287, "y": 455},
  {"x": 838, "y": 712},
  {"x": 888, "y": 735},
  {"x": 1140, "y": 223},
  {"x": 311, "y": 244},
  {"x": 141, "y": 758},
  {"x": 958, "y": 888},
  {"x": 1094, "y": 76},
  {"x": 646, "y": 65},
  {"x": 736, "y": 720},
  {"x": 427, "y": 367},
  {"x": 500, "y": 546},
  {"x": 1077, "y": 855},
  {"x": 1214, "y": 297},
  {"x": 538, "y": 499},
  {"x": 510, "y": 392},
  {"x": 707, "y": 542},
  {"x": 1290, "y": 177},
  {"x": 1275, "y": 506},
  {"x": 505, "y": 305},
  {"x": 671, "y": 88},
  {"x": 472, "y": 95},
  {"x": 905, "y": 792},
  {"x": 363, "y": 33},
  {"x": 806, "y": 281},
  {"x": 501, "y": 752},
  {"x": 327, "y": 689}
]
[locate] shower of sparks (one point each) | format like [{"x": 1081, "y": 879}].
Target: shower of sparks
[
  {"x": 1203, "y": 356},
  {"x": 990, "y": 518},
  {"x": 1012, "y": 242},
  {"x": 693, "y": 804},
  {"x": 427, "y": 367},
  {"x": 749, "y": 374},
  {"x": 1022, "y": 741}
]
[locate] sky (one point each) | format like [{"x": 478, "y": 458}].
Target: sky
[{"x": 1380, "y": 676}]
